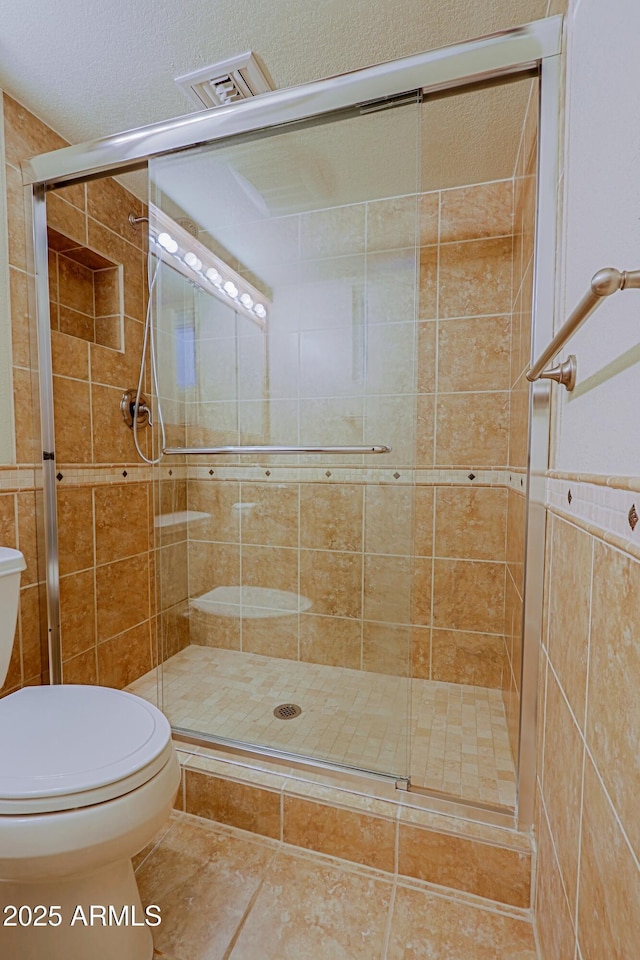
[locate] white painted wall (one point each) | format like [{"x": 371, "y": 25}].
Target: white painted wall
[{"x": 598, "y": 427}]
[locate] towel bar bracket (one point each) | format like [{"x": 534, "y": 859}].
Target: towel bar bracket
[{"x": 564, "y": 373}]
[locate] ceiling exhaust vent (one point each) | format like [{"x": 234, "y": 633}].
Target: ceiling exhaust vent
[{"x": 226, "y": 82}]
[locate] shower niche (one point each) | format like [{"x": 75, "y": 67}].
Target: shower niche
[{"x": 86, "y": 292}]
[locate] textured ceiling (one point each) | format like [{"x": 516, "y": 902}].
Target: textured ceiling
[{"x": 92, "y": 68}]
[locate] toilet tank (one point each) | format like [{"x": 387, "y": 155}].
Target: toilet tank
[{"x": 12, "y": 564}]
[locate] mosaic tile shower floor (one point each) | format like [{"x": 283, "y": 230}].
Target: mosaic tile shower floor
[
  {"x": 228, "y": 895},
  {"x": 459, "y": 738}
]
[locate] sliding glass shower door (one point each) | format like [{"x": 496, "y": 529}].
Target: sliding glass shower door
[{"x": 285, "y": 314}]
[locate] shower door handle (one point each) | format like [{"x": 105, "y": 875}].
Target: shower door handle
[{"x": 236, "y": 451}]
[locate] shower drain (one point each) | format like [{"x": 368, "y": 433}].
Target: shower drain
[{"x": 287, "y": 711}]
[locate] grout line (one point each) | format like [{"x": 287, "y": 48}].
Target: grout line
[
  {"x": 472, "y": 900},
  {"x": 507, "y": 516},
  {"x": 556, "y": 862},
  {"x": 513, "y": 305},
  {"x": 282, "y": 796},
  {"x": 240, "y": 563},
  {"x": 163, "y": 836},
  {"x": 534, "y": 916},
  {"x": 20, "y": 625},
  {"x": 299, "y": 568},
  {"x": 95, "y": 583},
  {"x": 504, "y": 612},
  {"x": 543, "y": 718},
  {"x": 434, "y": 502},
  {"x": 396, "y": 853},
  {"x": 389, "y": 922},
  {"x": 524, "y": 284},
  {"x": 612, "y": 806},
  {"x": 523, "y": 129},
  {"x": 362, "y": 573},
  {"x": 245, "y": 916},
  {"x": 596, "y": 767},
  {"x": 435, "y": 437},
  {"x": 437, "y": 341},
  {"x": 584, "y": 752}
]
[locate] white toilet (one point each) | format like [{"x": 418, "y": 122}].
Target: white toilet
[{"x": 88, "y": 775}]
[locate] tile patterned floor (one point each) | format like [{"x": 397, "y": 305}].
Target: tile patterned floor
[
  {"x": 453, "y": 738},
  {"x": 228, "y": 895},
  {"x": 460, "y": 742}
]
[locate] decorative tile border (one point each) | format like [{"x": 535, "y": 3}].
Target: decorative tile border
[
  {"x": 599, "y": 479},
  {"x": 20, "y": 477},
  {"x": 608, "y": 509},
  {"x": 361, "y": 475},
  {"x": 77, "y": 474},
  {"x": 517, "y": 481}
]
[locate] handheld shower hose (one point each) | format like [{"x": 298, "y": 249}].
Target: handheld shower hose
[{"x": 149, "y": 340}]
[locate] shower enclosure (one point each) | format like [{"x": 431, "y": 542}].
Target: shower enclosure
[{"x": 348, "y": 483}]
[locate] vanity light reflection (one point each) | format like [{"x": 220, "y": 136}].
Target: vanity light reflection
[{"x": 178, "y": 248}]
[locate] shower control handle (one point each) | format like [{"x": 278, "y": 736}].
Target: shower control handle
[{"x": 128, "y": 409}]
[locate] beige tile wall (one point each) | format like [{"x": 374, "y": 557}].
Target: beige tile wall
[
  {"x": 400, "y": 578},
  {"x": 359, "y": 568},
  {"x": 106, "y": 594},
  {"x": 19, "y": 513},
  {"x": 21, "y": 489},
  {"x": 463, "y": 369},
  {"x": 105, "y": 527},
  {"x": 588, "y": 877}
]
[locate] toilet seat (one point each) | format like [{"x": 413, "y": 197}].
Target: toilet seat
[{"x": 74, "y": 746}]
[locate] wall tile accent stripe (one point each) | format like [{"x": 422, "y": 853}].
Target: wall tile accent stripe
[
  {"x": 20, "y": 478},
  {"x": 318, "y": 474},
  {"x": 599, "y": 479},
  {"x": 516, "y": 480},
  {"x": 80, "y": 474},
  {"x": 605, "y": 508}
]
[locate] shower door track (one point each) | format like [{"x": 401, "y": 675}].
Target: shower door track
[
  {"x": 257, "y": 750},
  {"x": 534, "y": 46},
  {"x": 421, "y": 796}
]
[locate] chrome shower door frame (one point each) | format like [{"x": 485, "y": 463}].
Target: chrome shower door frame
[{"x": 533, "y": 46}]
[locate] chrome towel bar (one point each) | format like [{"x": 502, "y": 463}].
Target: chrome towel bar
[
  {"x": 603, "y": 284},
  {"x": 233, "y": 451}
]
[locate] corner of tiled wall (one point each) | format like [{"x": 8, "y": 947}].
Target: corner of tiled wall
[{"x": 105, "y": 514}]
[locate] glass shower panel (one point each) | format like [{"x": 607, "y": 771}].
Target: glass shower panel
[
  {"x": 285, "y": 312},
  {"x": 475, "y": 314}
]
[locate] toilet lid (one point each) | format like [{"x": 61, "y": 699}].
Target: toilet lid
[{"x": 68, "y": 746}]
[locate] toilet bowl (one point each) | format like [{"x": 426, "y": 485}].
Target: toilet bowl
[{"x": 88, "y": 775}]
